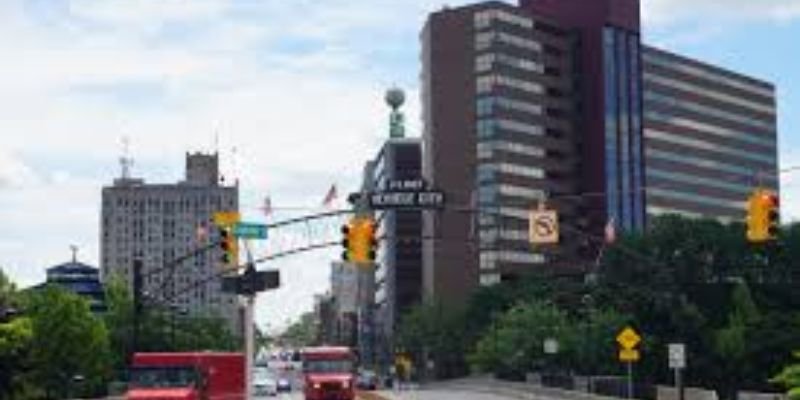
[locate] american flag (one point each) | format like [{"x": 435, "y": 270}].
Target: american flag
[
  {"x": 266, "y": 208},
  {"x": 330, "y": 197},
  {"x": 610, "y": 231},
  {"x": 201, "y": 233}
]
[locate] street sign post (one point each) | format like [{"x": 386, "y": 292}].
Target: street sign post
[
  {"x": 543, "y": 226},
  {"x": 677, "y": 355},
  {"x": 677, "y": 361},
  {"x": 250, "y": 230},
  {"x": 628, "y": 339},
  {"x": 629, "y": 355},
  {"x": 226, "y": 218},
  {"x": 407, "y": 200},
  {"x": 550, "y": 346}
]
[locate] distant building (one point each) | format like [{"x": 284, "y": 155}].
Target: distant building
[
  {"x": 80, "y": 279},
  {"x": 159, "y": 223},
  {"x": 710, "y": 137}
]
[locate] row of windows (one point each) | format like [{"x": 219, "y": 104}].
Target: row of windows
[
  {"x": 700, "y": 162},
  {"x": 655, "y": 211},
  {"x": 696, "y": 198},
  {"x": 484, "y": 19},
  {"x": 486, "y": 105},
  {"x": 490, "y": 169},
  {"x": 706, "y": 92},
  {"x": 487, "y": 128},
  {"x": 710, "y": 129},
  {"x": 487, "y": 83},
  {"x": 673, "y": 64},
  {"x": 486, "y": 149},
  {"x": 489, "y": 258},
  {"x": 712, "y": 111},
  {"x": 489, "y": 279},
  {"x": 705, "y": 145},
  {"x": 742, "y": 188},
  {"x": 485, "y": 62},
  {"x": 484, "y": 40},
  {"x": 488, "y": 194}
]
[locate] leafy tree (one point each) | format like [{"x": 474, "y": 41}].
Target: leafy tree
[
  {"x": 516, "y": 342},
  {"x": 790, "y": 378},
  {"x": 15, "y": 363},
  {"x": 8, "y": 292},
  {"x": 301, "y": 333},
  {"x": 70, "y": 345}
]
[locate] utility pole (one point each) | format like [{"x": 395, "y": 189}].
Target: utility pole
[
  {"x": 137, "y": 305},
  {"x": 249, "y": 320}
]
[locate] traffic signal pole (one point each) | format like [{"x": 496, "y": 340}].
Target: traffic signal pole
[{"x": 249, "y": 320}]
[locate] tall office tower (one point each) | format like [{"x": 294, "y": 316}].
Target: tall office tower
[
  {"x": 550, "y": 100},
  {"x": 159, "y": 223},
  {"x": 499, "y": 113},
  {"x": 710, "y": 137}
]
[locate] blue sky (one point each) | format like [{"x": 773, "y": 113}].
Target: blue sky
[{"x": 295, "y": 87}]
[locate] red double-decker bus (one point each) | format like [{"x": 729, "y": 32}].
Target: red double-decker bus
[{"x": 329, "y": 373}]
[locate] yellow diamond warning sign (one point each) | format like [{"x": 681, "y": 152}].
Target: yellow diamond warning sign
[{"x": 628, "y": 338}]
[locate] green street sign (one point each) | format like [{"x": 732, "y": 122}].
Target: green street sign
[{"x": 250, "y": 230}]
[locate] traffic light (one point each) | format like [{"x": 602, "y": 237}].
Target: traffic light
[
  {"x": 358, "y": 241},
  {"x": 763, "y": 216},
  {"x": 229, "y": 246},
  {"x": 346, "y": 230},
  {"x": 772, "y": 211}
]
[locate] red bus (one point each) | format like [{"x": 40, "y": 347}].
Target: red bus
[
  {"x": 187, "y": 376},
  {"x": 328, "y": 373}
]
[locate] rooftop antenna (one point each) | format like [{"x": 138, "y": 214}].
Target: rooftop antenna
[
  {"x": 74, "y": 249},
  {"x": 216, "y": 140},
  {"x": 126, "y": 161}
]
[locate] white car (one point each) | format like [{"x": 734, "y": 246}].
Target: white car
[{"x": 264, "y": 384}]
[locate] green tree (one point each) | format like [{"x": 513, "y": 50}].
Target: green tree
[
  {"x": 790, "y": 379},
  {"x": 302, "y": 332},
  {"x": 516, "y": 343},
  {"x": 8, "y": 292},
  {"x": 70, "y": 345},
  {"x": 15, "y": 361}
]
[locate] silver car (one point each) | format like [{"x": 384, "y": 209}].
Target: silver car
[{"x": 264, "y": 383}]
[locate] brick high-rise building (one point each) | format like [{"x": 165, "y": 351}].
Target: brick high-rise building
[{"x": 558, "y": 100}]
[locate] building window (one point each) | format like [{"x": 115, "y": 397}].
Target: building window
[
  {"x": 623, "y": 114},
  {"x": 611, "y": 133},
  {"x": 636, "y": 133}
]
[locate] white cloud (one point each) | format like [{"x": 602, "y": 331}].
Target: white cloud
[
  {"x": 717, "y": 12},
  {"x": 292, "y": 85}
]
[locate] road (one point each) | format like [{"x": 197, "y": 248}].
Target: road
[{"x": 441, "y": 394}]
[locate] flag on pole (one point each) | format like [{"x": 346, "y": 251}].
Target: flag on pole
[
  {"x": 610, "y": 231},
  {"x": 201, "y": 233},
  {"x": 266, "y": 208},
  {"x": 330, "y": 197}
]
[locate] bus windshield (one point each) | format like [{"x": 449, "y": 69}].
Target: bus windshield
[
  {"x": 164, "y": 377},
  {"x": 317, "y": 366}
]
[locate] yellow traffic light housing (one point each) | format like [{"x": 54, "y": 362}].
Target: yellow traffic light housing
[
  {"x": 763, "y": 216},
  {"x": 359, "y": 242},
  {"x": 229, "y": 246}
]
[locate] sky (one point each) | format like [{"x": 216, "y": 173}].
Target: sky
[{"x": 290, "y": 93}]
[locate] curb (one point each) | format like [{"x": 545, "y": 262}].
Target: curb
[{"x": 370, "y": 396}]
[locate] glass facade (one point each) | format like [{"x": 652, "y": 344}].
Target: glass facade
[{"x": 623, "y": 129}]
